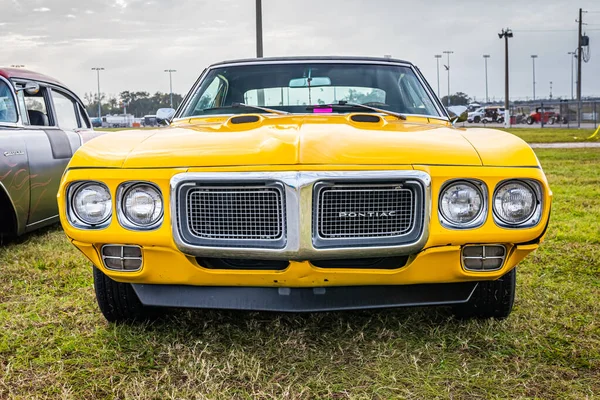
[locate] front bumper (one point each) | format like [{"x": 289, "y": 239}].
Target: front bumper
[{"x": 165, "y": 266}]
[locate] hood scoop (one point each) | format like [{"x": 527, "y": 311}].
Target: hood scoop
[
  {"x": 368, "y": 118},
  {"x": 244, "y": 119}
]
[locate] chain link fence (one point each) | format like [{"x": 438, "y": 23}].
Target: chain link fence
[{"x": 558, "y": 114}]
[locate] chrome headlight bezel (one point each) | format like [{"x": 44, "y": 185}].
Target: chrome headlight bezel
[
  {"x": 74, "y": 218},
  {"x": 122, "y": 216},
  {"x": 481, "y": 216},
  {"x": 535, "y": 216}
]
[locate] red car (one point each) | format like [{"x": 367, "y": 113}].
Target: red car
[{"x": 549, "y": 116}]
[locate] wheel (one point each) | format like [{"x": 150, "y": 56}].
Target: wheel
[
  {"x": 500, "y": 120},
  {"x": 551, "y": 121},
  {"x": 118, "y": 301},
  {"x": 477, "y": 119},
  {"x": 491, "y": 299},
  {"x": 529, "y": 120}
]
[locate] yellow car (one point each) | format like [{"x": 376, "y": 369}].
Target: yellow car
[{"x": 306, "y": 184}]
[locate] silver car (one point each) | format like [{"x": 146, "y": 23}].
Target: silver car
[{"x": 42, "y": 123}]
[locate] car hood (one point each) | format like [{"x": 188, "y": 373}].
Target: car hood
[{"x": 303, "y": 140}]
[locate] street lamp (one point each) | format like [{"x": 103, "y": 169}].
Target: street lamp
[
  {"x": 438, "y": 56},
  {"x": 533, "y": 57},
  {"x": 506, "y": 34},
  {"x": 98, "y": 69},
  {"x": 170, "y": 71},
  {"x": 448, "y": 52},
  {"x": 574, "y": 54},
  {"x": 485, "y": 58},
  {"x": 259, "y": 32}
]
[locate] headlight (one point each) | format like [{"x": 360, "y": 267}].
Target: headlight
[
  {"x": 142, "y": 206},
  {"x": 462, "y": 204},
  {"x": 91, "y": 203},
  {"x": 515, "y": 202}
]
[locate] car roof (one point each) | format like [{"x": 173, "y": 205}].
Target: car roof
[
  {"x": 20, "y": 73},
  {"x": 312, "y": 58}
]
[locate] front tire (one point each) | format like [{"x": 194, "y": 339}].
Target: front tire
[
  {"x": 118, "y": 301},
  {"x": 491, "y": 299}
]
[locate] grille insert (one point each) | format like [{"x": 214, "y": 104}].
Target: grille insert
[
  {"x": 254, "y": 213},
  {"x": 365, "y": 211}
]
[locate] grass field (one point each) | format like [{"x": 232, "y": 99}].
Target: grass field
[
  {"x": 54, "y": 343},
  {"x": 554, "y": 135}
]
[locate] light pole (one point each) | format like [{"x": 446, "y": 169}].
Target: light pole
[
  {"x": 259, "y": 33},
  {"x": 506, "y": 34},
  {"x": 170, "y": 71},
  {"x": 485, "y": 58},
  {"x": 438, "y": 56},
  {"x": 98, "y": 69},
  {"x": 550, "y": 90},
  {"x": 533, "y": 57},
  {"x": 573, "y": 54},
  {"x": 448, "y": 52}
]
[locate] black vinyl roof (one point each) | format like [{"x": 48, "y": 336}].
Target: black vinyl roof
[{"x": 312, "y": 58}]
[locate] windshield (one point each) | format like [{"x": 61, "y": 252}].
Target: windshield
[
  {"x": 8, "y": 111},
  {"x": 299, "y": 87}
]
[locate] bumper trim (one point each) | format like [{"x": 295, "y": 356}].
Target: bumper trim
[{"x": 304, "y": 299}]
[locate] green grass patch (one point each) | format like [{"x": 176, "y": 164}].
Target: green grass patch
[
  {"x": 54, "y": 343},
  {"x": 554, "y": 135}
]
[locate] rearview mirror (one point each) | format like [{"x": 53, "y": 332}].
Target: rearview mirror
[
  {"x": 312, "y": 82},
  {"x": 164, "y": 116}
]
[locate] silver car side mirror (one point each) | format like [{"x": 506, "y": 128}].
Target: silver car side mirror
[
  {"x": 164, "y": 116},
  {"x": 29, "y": 87}
]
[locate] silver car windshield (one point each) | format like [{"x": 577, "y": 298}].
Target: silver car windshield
[{"x": 303, "y": 88}]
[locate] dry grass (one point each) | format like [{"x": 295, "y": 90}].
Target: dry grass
[{"x": 55, "y": 344}]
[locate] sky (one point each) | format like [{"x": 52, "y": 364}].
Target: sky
[{"x": 136, "y": 40}]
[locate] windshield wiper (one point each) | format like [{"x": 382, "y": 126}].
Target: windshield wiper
[
  {"x": 343, "y": 103},
  {"x": 242, "y": 105}
]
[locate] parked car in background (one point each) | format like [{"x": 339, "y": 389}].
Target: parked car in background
[
  {"x": 150, "y": 120},
  {"x": 42, "y": 123},
  {"x": 546, "y": 114},
  {"x": 475, "y": 116},
  {"x": 306, "y": 184}
]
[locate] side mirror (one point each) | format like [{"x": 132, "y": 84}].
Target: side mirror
[
  {"x": 164, "y": 116},
  {"x": 458, "y": 114},
  {"x": 29, "y": 87}
]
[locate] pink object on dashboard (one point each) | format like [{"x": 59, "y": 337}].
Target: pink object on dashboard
[{"x": 322, "y": 110}]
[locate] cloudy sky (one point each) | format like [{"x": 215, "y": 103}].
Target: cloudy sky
[{"x": 136, "y": 40}]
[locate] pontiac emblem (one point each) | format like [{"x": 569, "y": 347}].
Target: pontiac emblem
[{"x": 367, "y": 214}]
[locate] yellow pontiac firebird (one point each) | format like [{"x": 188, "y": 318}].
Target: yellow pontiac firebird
[{"x": 306, "y": 184}]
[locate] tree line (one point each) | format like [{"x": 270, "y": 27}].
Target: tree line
[{"x": 136, "y": 103}]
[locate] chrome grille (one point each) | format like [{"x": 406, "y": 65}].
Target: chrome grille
[
  {"x": 235, "y": 213},
  {"x": 365, "y": 211}
]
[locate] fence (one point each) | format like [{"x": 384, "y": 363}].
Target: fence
[{"x": 557, "y": 114}]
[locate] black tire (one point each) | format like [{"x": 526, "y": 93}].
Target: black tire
[
  {"x": 551, "y": 121},
  {"x": 491, "y": 299},
  {"x": 118, "y": 301},
  {"x": 477, "y": 119},
  {"x": 529, "y": 121}
]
